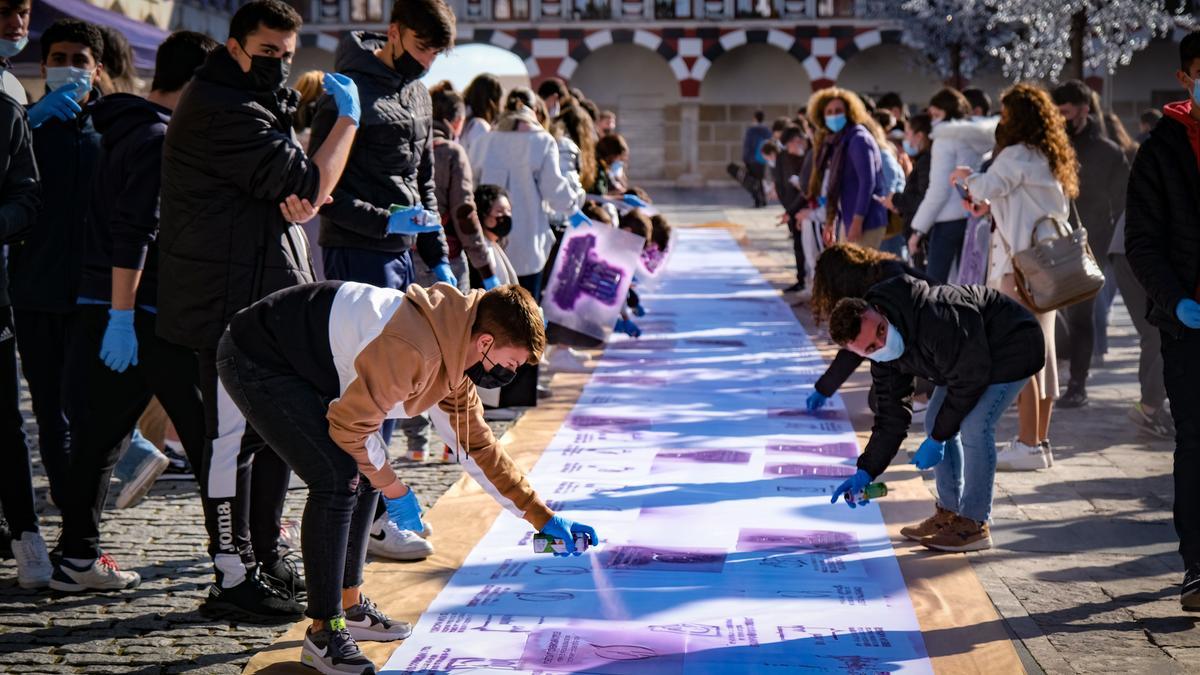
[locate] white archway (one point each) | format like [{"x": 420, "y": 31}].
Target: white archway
[
  {"x": 891, "y": 68},
  {"x": 756, "y": 75},
  {"x": 461, "y": 64}
]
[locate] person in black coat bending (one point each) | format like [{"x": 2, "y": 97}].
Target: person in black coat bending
[
  {"x": 978, "y": 347},
  {"x": 1162, "y": 245}
]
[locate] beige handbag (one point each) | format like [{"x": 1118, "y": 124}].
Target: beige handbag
[{"x": 1056, "y": 270}]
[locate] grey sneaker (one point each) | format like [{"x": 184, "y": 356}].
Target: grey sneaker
[
  {"x": 102, "y": 575},
  {"x": 333, "y": 651},
  {"x": 365, "y": 621},
  {"x": 141, "y": 464},
  {"x": 1157, "y": 423},
  {"x": 33, "y": 561}
]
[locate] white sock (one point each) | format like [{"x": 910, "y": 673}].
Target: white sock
[{"x": 233, "y": 571}]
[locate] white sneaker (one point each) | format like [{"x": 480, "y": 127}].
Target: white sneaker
[
  {"x": 567, "y": 360},
  {"x": 1016, "y": 456},
  {"x": 1048, "y": 451},
  {"x": 102, "y": 575},
  {"x": 33, "y": 562},
  {"x": 389, "y": 541}
]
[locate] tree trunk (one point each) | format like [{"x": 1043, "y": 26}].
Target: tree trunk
[
  {"x": 1074, "y": 70},
  {"x": 956, "y": 78}
]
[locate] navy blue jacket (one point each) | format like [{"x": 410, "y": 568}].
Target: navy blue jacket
[
  {"x": 44, "y": 267},
  {"x": 124, "y": 209},
  {"x": 20, "y": 193}
]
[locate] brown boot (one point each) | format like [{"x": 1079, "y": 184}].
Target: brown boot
[
  {"x": 959, "y": 535},
  {"x": 928, "y": 527}
]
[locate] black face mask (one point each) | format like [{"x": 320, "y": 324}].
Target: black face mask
[
  {"x": 408, "y": 67},
  {"x": 502, "y": 227},
  {"x": 268, "y": 73},
  {"x": 495, "y": 378}
]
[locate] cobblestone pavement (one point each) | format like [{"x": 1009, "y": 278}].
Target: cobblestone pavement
[
  {"x": 155, "y": 628},
  {"x": 1085, "y": 572}
]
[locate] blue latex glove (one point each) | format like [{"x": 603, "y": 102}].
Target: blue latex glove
[
  {"x": 561, "y": 528},
  {"x": 854, "y": 485},
  {"x": 118, "y": 349},
  {"x": 628, "y": 327},
  {"x": 638, "y": 310},
  {"x": 345, "y": 95},
  {"x": 59, "y": 104},
  {"x": 576, "y": 219},
  {"x": 929, "y": 454},
  {"x": 444, "y": 274},
  {"x": 491, "y": 282},
  {"x": 634, "y": 201},
  {"x": 405, "y": 512},
  {"x": 816, "y": 401},
  {"x": 1188, "y": 312},
  {"x": 411, "y": 220}
]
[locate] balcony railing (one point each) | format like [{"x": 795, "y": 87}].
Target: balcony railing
[{"x": 567, "y": 11}]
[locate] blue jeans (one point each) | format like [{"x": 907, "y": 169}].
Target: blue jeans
[
  {"x": 945, "y": 245},
  {"x": 966, "y": 474}
]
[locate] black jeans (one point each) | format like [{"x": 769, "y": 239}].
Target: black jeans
[
  {"x": 245, "y": 480},
  {"x": 1181, "y": 368},
  {"x": 16, "y": 477},
  {"x": 1081, "y": 339},
  {"x": 289, "y": 412},
  {"x": 104, "y": 407},
  {"x": 42, "y": 341},
  {"x": 797, "y": 250},
  {"x": 945, "y": 247}
]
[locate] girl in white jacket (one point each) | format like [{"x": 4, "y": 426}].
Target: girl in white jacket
[
  {"x": 521, "y": 157},
  {"x": 1033, "y": 176},
  {"x": 941, "y": 218}
]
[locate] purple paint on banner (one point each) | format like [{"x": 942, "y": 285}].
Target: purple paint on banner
[
  {"x": 804, "y": 412},
  {"x": 633, "y": 380},
  {"x": 809, "y": 470},
  {"x": 716, "y": 342},
  {"x": 808, "y": 541},
  {"x": 605, "y": 651},
  {"x": 848, "y": 450},
  {"x": 607, "y": 423},
  {"x": 643, "y": 345},
  {"x": 703, "y": 456},
  {"x": 663, "y": 559}
]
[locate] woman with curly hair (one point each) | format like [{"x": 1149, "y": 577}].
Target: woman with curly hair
[
  {"x": 848, "y": 171},
  {"x": 1034, "y": 175},
  {"x": 849, "y": 271}
]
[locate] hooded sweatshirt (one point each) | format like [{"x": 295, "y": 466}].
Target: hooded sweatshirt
[
  {"x": 379, "y": 353},
  {"x": 391, "y": 161},
  {"x": 124, "y": 208},
  {"x": 1022, "y": 190},
  {"x": 955, "y": 143}
]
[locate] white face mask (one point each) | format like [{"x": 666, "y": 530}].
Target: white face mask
[
  {"x": 59, "y": 76},
  {"x": 10, "y": 48},
  {"x": 891, "y": 350}
]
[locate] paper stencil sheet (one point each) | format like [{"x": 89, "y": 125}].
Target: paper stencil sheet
[{"x": 691, "y": 454}]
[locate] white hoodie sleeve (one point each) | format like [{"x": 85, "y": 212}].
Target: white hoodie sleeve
[
  {"x": 562, "y": 197},
  {"x": 1001, "y": 178},
  {"x": 941, "y": 163}
]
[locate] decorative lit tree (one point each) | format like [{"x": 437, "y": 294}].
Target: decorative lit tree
[
  {"x": 953, "y": 35},
  {"x": 1050, "y": 36}
]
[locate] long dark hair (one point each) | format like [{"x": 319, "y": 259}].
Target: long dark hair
[
  {"x": 483, "y": 97},
  {"x": 845, "y": 270},
  {"x": 577, "y": 124}
]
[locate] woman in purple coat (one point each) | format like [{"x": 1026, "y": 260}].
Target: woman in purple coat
[{"x": 848, "y": 171}]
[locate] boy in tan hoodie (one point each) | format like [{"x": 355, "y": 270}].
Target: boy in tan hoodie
[{"x": 318, "y": 368}]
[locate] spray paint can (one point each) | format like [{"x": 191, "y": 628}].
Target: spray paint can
[{"x": 543, "y": 543}]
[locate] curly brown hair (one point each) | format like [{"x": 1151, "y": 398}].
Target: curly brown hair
[
  {"x": 1029, "y": 116},
  {"x": 845, "y": 270}
]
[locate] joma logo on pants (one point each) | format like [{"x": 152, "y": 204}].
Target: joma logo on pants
[{"x": 225, "y": 524}]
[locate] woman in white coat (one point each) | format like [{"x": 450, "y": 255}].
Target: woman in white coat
[
  {"x": 523, "y": 158},
  {"x": 1033, "y": 175},
  {"x": 941, "y": 218}
]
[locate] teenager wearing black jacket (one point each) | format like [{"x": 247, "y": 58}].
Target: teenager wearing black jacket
[
  {"x": 235, "y": 186},
  {"x": 978, "y": 347},
  {"x": 1162, "y": 245},
  {"x": 115, "y": 362},
  {"x": 788, "y": 172},
  {"x": 43, "y": 266}
]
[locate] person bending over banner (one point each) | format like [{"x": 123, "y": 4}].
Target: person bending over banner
[
  {"x": 979, "y": 348},
  {"x": 317, "y": 368}
]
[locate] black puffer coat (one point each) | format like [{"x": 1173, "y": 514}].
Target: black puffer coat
[
  {"x": 391, "y": 161},
  {"x": 229, "y": 160},
  {"x": 965, "y": 338}
]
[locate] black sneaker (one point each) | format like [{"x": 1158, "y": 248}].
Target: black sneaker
[
  {"x": 333, "y": 651},
  {"x": 254, "y": 600},
  {"x": 1157, "y": 423},
  {"x": 795, "y": 288},
  {"x": 287, "y": 574},
  {"x": 178, "y": 467},
  {"x": 6, "y": 538},
  {"x": 1189, "y": 595},
  {"x": 365, "y": 621},
  {"x": 1076, "y": 397}
]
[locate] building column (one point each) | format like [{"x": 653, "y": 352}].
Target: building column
[{"x": 689, "y": 143}]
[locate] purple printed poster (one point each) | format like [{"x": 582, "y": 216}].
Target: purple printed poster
[
  {"x": 828, "y": 449},
  {"x": 809, "y": 470},
  {"x": 606, "y": 652},
  {"x": 662, "y": 559}
]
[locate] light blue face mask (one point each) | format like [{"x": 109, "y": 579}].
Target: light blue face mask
[
  {"x": 10, "y": 48},
  {"x": 835, "y": 122},
  {"x": 891, "y": 350},
  {"x": 58, "y": 76},
  {"x": 910, "y": 150},
  {"x": 1196, "y": 92},
  {"x": 617, "y": 168}
]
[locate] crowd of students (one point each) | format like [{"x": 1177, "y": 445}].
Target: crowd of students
[
  {"x": 162, "y": 293},
  {"x": 906, "y": 226}
]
